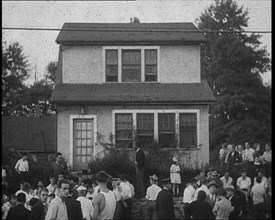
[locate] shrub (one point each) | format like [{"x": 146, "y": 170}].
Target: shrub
[{"x": 114, "y": 163}]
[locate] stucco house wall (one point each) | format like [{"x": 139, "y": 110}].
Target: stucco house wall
[
  {"x": 104, "y": 127},
  {"x": 85, "y": 64}
]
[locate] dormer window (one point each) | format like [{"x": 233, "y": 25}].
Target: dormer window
[{"x": 131, "y": 64}]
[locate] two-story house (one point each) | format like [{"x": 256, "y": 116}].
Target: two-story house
[{"x": 134, "y": 82}]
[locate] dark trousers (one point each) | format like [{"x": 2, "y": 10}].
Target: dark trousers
[
  {"x": 258, "y": 211},
  {"x": 23, "y": 176},
  {"x": 140, "y": 191},
  {"x": 126, "y": 212},
  {"x": 150, "y": 210},
  {"x": 118, "y": 209}
]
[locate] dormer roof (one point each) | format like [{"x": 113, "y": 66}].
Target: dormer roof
[{"x": 130, "y": 33}]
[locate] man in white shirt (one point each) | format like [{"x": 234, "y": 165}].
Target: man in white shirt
[
  {"x": 126, "y": 197},
  {"x": 151, "y": 196},
  {"x": 22, "y": 167},
  {"x": 248, "y": 153},
  {"x": 189, "y": 192},
  {"x": 226, "y": 179},
  {"x": 244, "y": 184},
  {"x": 203, "y": 187},
  {"x": 263, "y": 179},
  {"x": 86, "y": 204},
  {"x": 258, "y": 196}
]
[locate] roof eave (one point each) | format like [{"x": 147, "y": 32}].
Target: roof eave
[
  {"x": 130, "y": 42},
  {"x": 89, "y": 102}
]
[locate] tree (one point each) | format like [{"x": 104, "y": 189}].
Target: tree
[
  {"x": 233, "y": 65},
  {"x": 39, "y": 94},
  {"x": 14, "y": 72},
  {"x": 51, "y": 72}
]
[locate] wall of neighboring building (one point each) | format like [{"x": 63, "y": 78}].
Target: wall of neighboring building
[
  {"x": 191, "y": 158},
  {"x": 85, "y": 64}
]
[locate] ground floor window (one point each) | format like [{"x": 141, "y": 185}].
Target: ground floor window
[
  {"x": 171, "y": 129},
  {"x": 124, "y": 130}
]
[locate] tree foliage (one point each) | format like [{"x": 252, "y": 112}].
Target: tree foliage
[
  {"x": 14, "y": 72},
  {"x": 17, "y": 98},
  {"x": 233, "y": 64}
]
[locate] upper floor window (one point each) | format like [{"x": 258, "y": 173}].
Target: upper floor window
[
  {"x": 111, "y": 65},
  {"x": 131, "y": 64},
  {"x": 150, "y": 65}
]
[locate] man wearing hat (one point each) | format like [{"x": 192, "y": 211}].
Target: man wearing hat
[
  {"x": 211, "y": 197},
  {"x": 235, "y": 202},
  {"x": 151, "y": 196},
  {"x": 165, "y": 202},
  {"x": 86, "y": 204},
  {"x": 215, "y": 177}
]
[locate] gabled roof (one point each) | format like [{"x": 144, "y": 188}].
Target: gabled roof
[
  {"x": 129, "y": 33},
  {"x": 133, "y": 93}
]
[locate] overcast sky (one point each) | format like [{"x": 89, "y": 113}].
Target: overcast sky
[{"x": 41, "y": 48}]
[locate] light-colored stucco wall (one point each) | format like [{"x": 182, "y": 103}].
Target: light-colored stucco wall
[
  {"x": 180, "y": 64},
  {"x": 85, "y": 64},
  {"x": 104, "y": 125},
  {"x": 82, "y": 64}
]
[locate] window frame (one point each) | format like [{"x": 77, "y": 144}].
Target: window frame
[
  {"x": 119, "y": 49},
  {"x": 156, "y": 112}
]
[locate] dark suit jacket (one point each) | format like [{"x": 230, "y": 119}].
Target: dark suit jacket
[
  {"x": 235, "y": 158},
  {"x": 38, "y": 211},
  {"x": 73, "y": 208},
  {"x": 211, "y": 202},
  {"x": 237, "y": 204},
  {"x": 165, "y": 205},
  {"x": 199, "y": 210},
  {"x": 18, "y": 212},
  {"x": 140, "y": 158}
]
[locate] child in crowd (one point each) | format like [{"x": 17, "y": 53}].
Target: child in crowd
[
  {"x": 175, "y": 176},
  {"x": 51, "y": 197},
  {"x": 52, "y": 186},
  {"x": 39, "y": 186}
]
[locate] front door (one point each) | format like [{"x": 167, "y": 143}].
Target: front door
[{"x": 83, "y": 143}]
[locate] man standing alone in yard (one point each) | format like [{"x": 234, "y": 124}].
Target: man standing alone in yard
[
  {"x": 22, "y": 167},
  {"x": 140, "y": 168}
]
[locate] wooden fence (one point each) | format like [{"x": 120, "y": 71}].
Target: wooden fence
[{"x": 32, "y": 134}]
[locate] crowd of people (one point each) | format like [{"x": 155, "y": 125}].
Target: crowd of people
[{"x": 208, "y": 195}]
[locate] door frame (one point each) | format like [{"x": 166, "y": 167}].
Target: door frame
[{"x": 72, "y": 117}]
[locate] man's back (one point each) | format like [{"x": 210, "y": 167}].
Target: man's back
[
  {"x": 38, "y": 211},
  {"x": 199, "y": 210},
  {"x": 110, "y": 204},
  {"x": 18, "y": 212},
  {"x": 165, "y": 205}
]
